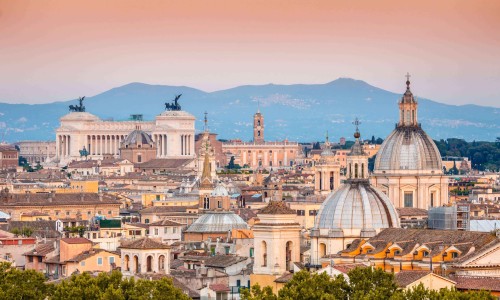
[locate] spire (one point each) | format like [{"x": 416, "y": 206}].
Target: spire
[
  {"x": 408, "y": 107},
  {"x": 357, "y": 148},
  {"x": 327, "y": 142},
  {"x": 206, "y": 178},
  {"x": 206, "y": 122},
  {"x": 407, "y": 81}
]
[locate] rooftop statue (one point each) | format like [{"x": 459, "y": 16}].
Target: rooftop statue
[
  {"x": 175, "y": 105},
  {"x": 78, "y": 108}
]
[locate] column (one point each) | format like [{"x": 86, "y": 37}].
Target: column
[
  {"x": 182, "y": 144},
  {"x": 165, "y": 145}
]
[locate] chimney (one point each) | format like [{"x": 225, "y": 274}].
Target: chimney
[{"x": 100, "y": 196}]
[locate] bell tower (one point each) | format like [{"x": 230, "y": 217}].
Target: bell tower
[
  {"x": 408, "y": 107},
  {"x": 258, "y": 127}
]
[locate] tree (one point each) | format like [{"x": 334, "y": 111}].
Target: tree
[
  {"x": 256, "y": 293},
  {"x": 371, "y": 283},
  {"x": 305, "y": 285},
  {"x": 18, "y": 284},
  {"x": 379, "y": 141},
  {"x": 373, "y": 140}
]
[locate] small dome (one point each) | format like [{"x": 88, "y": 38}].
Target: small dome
[
  {"x": 356, "y": 205},
  {"x": 137, "y": 137},
  {"x": 80, "y": 116},
  {"x": 408, "y": 148},
  {"x": 217, "y": 221},
  {"x": 220, "y": 191}
]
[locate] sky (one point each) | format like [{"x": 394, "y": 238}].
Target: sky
[{"x": 60, "y": 50}]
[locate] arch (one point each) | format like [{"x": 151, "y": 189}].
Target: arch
[
  {"x": 136, "y": 265},
  {"x": 356, "y": 170},
  {"x": 127, "y": 263},
  {"x": 264, "y": 253},
  {"x": 161, "y": 263},
  {"x": 350, "y": 170},
  {"x": 149, "y": 263},
  {"x": 288, "y": 254},
  {"x": 362, "y": 170},
  {"x": 322, "y": 250}
]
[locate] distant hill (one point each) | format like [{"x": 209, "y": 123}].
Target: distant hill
[{"x": 299, "y": 112}]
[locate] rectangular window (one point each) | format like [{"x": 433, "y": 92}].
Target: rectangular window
[
  {"x": 408, "y": 199},
  {"x": 156, "y": 231},
  {"x": 30, "y": 259},
  {"x": 165, "y": 230},
  {"x": 111, "y": 259},
  {"x": 82, "y": 264},
  {"x": 301, "y": 212},
  {"x": 174, "y": 230},
  {"x": 251, "y": 252},
  {"x": 99, "y": 261},
  {"x": 40, "y": 259},
  {"x": 312, "y": 212}
]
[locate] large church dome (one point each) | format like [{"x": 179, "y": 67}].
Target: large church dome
[
  {"x": 356, "y": 207},
  {"x": 408, "y": 148}
]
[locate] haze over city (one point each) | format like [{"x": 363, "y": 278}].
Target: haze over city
[{"x": 59, "y": 50}]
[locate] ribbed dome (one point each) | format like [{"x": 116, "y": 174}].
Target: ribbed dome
[
  {"x": 217, "y": 221},
  {"x": 408, "y": 148},
  {"x": 137, "y": 137},
  {"x": 220, "y": 191},
  {"x": 356, "y": 205},
  {"x": 80, "y": 116}
]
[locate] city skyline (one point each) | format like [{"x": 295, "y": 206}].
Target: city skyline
[{"x": 57, "y": 50}]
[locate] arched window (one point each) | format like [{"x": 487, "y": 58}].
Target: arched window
[
  {"x": 264, "y": 253},
  {"x": 355, "y": 170},
  {"x": 258, "y": 122},
  {"x": 161, "y": 263},
  {"x": 206, "y": 203},
  {"x": 258, "y": 133},
  {"x": 127, "y": 263},
  {"x": 149, "y": 264},
  {"x": 363, "y": 170},
  {"x": 288, "y": 254},
  {"x": 322, "y": 250}
]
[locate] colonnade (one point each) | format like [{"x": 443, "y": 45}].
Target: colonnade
[{"x": 104, "y": 144}]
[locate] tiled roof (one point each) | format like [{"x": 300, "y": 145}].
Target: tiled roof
[
  {"x": 41, "y": 250},
  {"x": 76, "y": 241},
  {"x": 404, "y": 278},
  {"x": 166, "y": 209},
  {"x": 165, "y": 222},
  {"x": 219, "y": 287},
  {"x": 223, "y": 261},
  {"x": 277, "y": 208},
  {"x": 144, "y": 243},
  {"x": 162, "y": 163},
  {"x": 411, "y": 211},
  {"x": 477, "y": 283},
  {"x": 53, "y": 199},
  {"x": 284, "y": 278},
  {"x": 345, "y": 268}
]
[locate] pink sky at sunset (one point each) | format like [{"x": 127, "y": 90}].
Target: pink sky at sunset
[{"x": 59, "y": 50}]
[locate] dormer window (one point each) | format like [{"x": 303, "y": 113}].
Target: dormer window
[{"x": 425, "y": 253}]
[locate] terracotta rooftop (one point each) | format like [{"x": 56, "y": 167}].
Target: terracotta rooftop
[
  {"x": 144, "y": 243},
  {"x": 86, "y": 254},
  {"x": 162, "y": 163},
  {"x": 284, "y": 278},
  {"x": 165, "y": 222},
  {"x": 477, "y": 283},
  {"x": 223, "y": 261},
  {"x": 411, "y": 211},
  {"x": 345, "y": 268},
  {"x": 52, "y": 199},
  {"x": 76, "y": 241},
  {"x": 219, "y": 287},
  {"x": 404, "y": 278},
  {"x": 277, "y": 208},
  {"x": 41, "y": 250}
]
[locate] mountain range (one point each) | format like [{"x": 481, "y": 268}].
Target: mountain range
[{"x": 298, "y": 112}]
